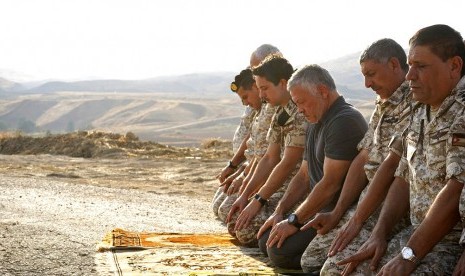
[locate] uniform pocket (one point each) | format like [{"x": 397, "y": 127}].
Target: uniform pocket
[{"x": 437, "y": 147}]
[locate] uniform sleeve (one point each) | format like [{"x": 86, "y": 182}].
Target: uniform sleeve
[
  {"x": 455, "y": 158},
  {"x": 402, "y": 170},
  {"x": 274, "y": 132},
  {"x": 367, "y": 141},
  {"x": 244, "y": 127},
  {"x": 398, "y": 145}
]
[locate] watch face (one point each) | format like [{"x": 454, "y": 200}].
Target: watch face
[
  {"x": 407, "y": 252},
  {"x": 291, "y": 219}
]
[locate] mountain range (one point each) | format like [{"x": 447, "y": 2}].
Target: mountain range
[{"x": 181, "y": 109}]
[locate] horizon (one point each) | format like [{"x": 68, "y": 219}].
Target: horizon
[{"x": 134, "y": 40}]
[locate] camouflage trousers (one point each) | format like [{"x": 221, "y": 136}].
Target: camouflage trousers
[
  {"x": 225, "y": 206},
  {"x": 315, "y": 254},
  {"x": 248, "y": 236},
  {"x": 440, "y": 261},
  {"x": 218, "y": 198}
]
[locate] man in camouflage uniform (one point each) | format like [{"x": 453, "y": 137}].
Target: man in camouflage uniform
[
  {"x": 332, "y": 137},
  {"x": 384, "y": 66},
  {"x": 242, "y": 132},
  {"x": 432, "y": 170},
  {"x": 286, "y": 138},
  {"x": 244, "y": 85},
  {"x": 256, "y": 148}
]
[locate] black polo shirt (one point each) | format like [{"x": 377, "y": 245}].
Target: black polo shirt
[{"x": 335, "y": 136}]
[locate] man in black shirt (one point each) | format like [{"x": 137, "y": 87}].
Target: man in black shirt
[{"x": 335, "y": 129}]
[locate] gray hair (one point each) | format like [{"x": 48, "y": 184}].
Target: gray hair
[
  {"x": 384, "y": 49},
  {"x": 311, "y": 75},
  {"x": 265, "y": 50}
]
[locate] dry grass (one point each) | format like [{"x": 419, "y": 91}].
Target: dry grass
[{"x": 90, "y": 144}]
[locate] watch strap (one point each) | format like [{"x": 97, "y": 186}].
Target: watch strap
[
  {"x": 294, "y": 221},
  {"x": 231, "y": 165},
  {"x": 412, "y": 258},
  {"x": 260, "y": 199}
]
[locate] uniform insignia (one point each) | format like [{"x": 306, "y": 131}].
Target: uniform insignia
[
  {"x": 458, "y": 139},
  {"x": 390, "y": 119}
]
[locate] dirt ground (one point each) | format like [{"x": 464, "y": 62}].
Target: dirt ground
[{"x": 55, "y": 208}]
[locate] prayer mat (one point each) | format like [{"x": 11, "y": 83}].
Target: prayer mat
[{"x": 136, "y": 253}]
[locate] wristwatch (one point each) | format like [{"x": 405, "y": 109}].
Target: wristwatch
[
  {"x": 260, "y": 199},
  {"x": 231, "y": 165},
  {"x": 293, "y": 220},
  {"x": 407, "y": 254}
]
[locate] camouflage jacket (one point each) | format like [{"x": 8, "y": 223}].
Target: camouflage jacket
[
  {"x": 257, "y": 144},
  {"x": 244, "y": 127},
  {"x": 434, "y": 151},
  {"x": 389, "y": 118},
  {"x": 288, "y": 127}
]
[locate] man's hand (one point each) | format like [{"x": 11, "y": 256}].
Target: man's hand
[
  {"x": 280, "y": 232},
  {"x": 344, "y": 236},
  {"x": 397, "y": 266},
  {"x": 374, "y": 249},
  {"x": 235, "y": 185},
  {"x": 245, "y": 182},
  {"x": 227, "y": 182},
  {"x": 322, "y": 222},
  {"x": 225, "y": 172},
  {"x": 247, "y": 215},
  {"x": 460, "y": 266},
  {"x": 270, "y": 222},
  {"x": 237, "y": 206}
]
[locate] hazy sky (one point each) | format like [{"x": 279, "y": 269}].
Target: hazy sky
[{"x": 136, "y": 39}]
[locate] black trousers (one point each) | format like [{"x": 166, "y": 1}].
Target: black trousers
[{"x": 290, "y": 253}]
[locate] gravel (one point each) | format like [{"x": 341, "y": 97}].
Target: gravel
[{"x": 51, "y": 226}]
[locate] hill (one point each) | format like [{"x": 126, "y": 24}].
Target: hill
[
  {"x": 201, "y": 84},
  {"x": 177, "y": 110}
]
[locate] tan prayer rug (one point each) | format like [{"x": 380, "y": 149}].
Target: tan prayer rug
[{"x": 139, "y": 253}]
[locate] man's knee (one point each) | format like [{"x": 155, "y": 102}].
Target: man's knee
[
  {"x": 216, "y": 202},
  {"x": 247, "y": 237},
  {"x": 262, "y": 241},
  {"x": 283, "y": 258},
  {"x": 223, "y": 212}
]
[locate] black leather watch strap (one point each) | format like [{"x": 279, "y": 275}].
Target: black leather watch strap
[
  {"x": 294, "y": 220},
  {"x": 260, "y": 199},
  {"x": 231, "y": 165}
]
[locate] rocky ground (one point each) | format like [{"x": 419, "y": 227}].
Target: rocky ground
[{"x": 60, "y": 194}]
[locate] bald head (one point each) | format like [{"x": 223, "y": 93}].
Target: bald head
[{"x": 262, "y": 52}]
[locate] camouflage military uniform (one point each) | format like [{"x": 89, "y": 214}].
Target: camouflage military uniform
[
  {"x": 434, "y": 152},
  {"x": 257, "y": 143},
  {"x": 244, "y": 127},
  {"x": 288, "y": 128},
  {"x": 389, "y": 117},
  {"x": 242, "y": 131},
  {"x": 256, "y": 148},
  {"x": 462, "y": 215}
]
